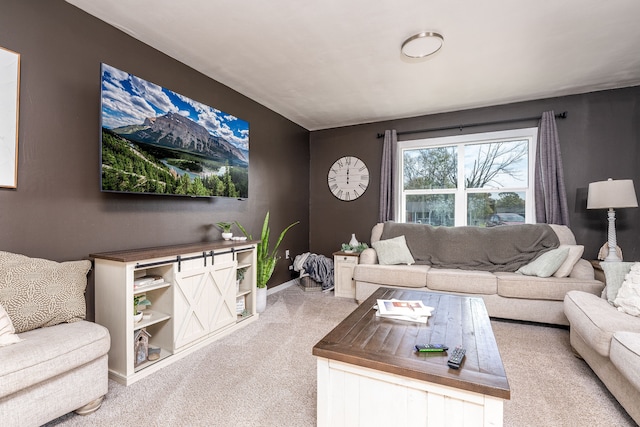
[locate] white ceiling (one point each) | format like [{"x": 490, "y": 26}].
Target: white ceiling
[{"x": 331, "y": 63}]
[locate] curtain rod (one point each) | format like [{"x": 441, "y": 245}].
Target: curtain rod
[{"x": 562, "y": 115}]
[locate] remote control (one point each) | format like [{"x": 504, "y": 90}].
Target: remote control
[
  {"x": 431, "y": 347},
  {"x": 456, "y": 357}
]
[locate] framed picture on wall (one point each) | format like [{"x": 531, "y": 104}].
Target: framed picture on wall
[{"x": 9, "y": 102}]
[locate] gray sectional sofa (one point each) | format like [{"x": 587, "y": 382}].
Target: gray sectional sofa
[{"x": 506, "y": 294}]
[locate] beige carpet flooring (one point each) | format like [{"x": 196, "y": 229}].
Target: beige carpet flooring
[{"x": 265, "y": 375}]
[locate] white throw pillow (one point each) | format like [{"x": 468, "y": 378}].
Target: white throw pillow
[
  {"x": 7, "y": 331},
  {"x": 546, "y": 264},
  {"x": 393, "y": 251},
  {"x": 575, "y": 252},
  {"x": 628, "y": 298}
]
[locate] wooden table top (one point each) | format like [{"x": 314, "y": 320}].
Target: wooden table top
[
  {"x": 387, "y": 345},
  {"x": 131, "y": 255}
]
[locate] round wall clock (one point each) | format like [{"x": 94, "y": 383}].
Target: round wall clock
[{"x": 348, "y": 178}]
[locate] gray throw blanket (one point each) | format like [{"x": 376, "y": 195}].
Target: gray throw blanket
[
  {"x": 318, "y": 267},
  {"x": 502, "y": 248}
]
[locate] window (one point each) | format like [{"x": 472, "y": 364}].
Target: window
[{"x": 482, "y": 180}]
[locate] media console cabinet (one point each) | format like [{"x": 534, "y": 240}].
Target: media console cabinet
[{"x": 194, "y": 300}]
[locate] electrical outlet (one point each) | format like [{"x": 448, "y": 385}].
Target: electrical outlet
[{"x": 286, "y": 254}]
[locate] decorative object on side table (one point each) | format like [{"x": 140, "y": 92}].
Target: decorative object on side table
[
  {"x": 349, "y": 248},
  {"x": 226, "y": 229},
  {"x": 265, "y": 259},
  {"x": 611, "y": 194}
]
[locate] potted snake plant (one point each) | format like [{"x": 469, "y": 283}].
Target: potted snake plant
[{"x": 266, "y": 259}]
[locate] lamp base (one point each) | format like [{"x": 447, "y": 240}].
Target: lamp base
[{"x": 604, "y": 254}]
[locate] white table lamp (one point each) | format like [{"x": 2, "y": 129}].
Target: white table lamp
[{"x": 612, "y": 195}]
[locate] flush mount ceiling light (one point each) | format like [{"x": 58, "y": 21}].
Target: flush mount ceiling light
[{"x": 422, "y": 44}]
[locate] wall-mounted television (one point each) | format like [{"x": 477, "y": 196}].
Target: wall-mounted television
[{"x": 156, "y": 141}]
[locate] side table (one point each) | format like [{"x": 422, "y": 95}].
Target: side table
[{"x": 343, "y": 265}]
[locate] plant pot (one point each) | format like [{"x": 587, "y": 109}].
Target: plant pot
[
  {"x": 227, "y": 236},
  {"x": 261, "y": 299},
  {"x": 137, "y": 317}
]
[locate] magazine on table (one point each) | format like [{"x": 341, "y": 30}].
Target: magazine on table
[{"x": 412, "y": 310}]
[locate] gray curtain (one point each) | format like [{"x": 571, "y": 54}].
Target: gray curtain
[
  {"x": 386, "y": 211},
  {"x": 550, "y": 192}
]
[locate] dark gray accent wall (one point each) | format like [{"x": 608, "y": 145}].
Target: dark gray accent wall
[
  {"x": 58, "y": 212},
  {"x": 599, "y": 139}
]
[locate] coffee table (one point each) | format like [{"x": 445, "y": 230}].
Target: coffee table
[{"x": 369, "y": 373}]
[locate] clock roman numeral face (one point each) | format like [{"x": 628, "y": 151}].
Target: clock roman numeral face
[{"x": 348, "y": 178}]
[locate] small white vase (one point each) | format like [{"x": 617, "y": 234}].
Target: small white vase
[
  {"x": 227, "y": 236},
  {"x": 261, "y": 299},
  {"x": 353, "y": 242}
]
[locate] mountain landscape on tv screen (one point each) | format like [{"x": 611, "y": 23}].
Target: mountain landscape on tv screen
[{"x": 191, "y": 149}]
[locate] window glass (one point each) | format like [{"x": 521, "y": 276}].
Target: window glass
[
  {"x": 429, "y": 168},
  {"x": 432, "y": 209},
  {"x": 496, "y": 164},
  {"x": 491, "y": 209},
  {"x": 482, "y": 180}
]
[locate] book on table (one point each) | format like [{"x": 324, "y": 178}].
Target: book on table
[{"x": 411, "y": 310}]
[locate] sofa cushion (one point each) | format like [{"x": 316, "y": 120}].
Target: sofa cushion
[
  {"x": 595, "y": 320},
  {"x": 7, "y": 331},
  {"x": 413, "y": 276},
  {"x": 515, "y": 285},
  {"x": 546, "y": 264},
  {"x": 583, "y": 270},
  {"x": 464, "y": 281},
  {"x": 564, "y": 233},
  {"x": 393, "y": 251},
  {"x": 48, "y": 352},
  {"x": 574, "y": 254},
  {"x": 625, "y": 355},
  {"x": 37, "y": 292}
]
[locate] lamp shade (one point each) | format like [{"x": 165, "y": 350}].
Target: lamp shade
[{"x": 618, "y": 193}]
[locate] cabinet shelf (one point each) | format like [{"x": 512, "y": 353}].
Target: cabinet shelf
[
  {"x": 156, "y": 317},
  {"x": 163, "y": 355},
  {"x": 243, "y": 318},
  {"x": 143, "y": 289},
  {"x": 242, "y": 293}
]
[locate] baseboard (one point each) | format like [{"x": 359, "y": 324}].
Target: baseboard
[{"x": 282, "y": 286}]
